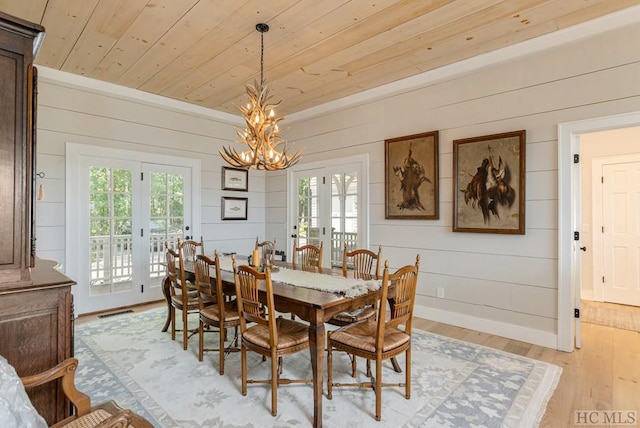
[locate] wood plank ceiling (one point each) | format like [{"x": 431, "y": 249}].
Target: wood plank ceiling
[{"x": 205, "y": 51}]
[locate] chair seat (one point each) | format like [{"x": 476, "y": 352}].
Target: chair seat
[
  {"x": 100, "y": 414},
  {"x": 362, "y": 336},
  {"x": 192, "y": 302},
  {"x": 210, "y": 313},
  {"x": 290, "y": 334},
  {"x": 358, "y": 315}
]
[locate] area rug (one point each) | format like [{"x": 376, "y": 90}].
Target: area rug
[
  {"x": 454, "y": 384},
  {"x": 611, "y": 315}
]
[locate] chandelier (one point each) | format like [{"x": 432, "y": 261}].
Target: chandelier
[{"x": 266, "y": 150}]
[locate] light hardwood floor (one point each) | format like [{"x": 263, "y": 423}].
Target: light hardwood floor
[{"x": 603, "y": 375}]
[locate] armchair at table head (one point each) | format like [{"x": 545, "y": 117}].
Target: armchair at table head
[
  {"x": 190, "y": 248},
  {"x": 267, "y": 251},
  {"x": 307, "y": 257}
]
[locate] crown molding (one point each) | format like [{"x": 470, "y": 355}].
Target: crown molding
[{"x": 74, "y": 81}]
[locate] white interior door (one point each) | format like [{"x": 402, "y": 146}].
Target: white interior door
[{"x": 621, "y": 233}]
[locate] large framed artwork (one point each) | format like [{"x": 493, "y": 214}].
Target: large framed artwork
[
  {"x": 411, "y": 177},
  {"x": 234, "y": 208},
  {"x": 489, "y": 184},
  {"x": 235, "y": 179}
]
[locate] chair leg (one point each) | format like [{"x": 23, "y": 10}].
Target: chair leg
[
  {"x": 222, "y": 335},
  {"x": 378, "y": 389},
  {"x": 407, "y": 392},
  {"x": 354, "y": 364},
  {"x": 185, "y": 329},
  {"x": 201, "y": 337},
  {"x": 243, "y": 358},
  {"x": 173, "y": 323},
  {"x": 330, "y": 372},
  {"x": 274, "y": 384},
  {"x": 368, "y": 368},
  {"x": 396, "y": 366}
]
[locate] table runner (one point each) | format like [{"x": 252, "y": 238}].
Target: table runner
[{"x": 348, "y": 287}]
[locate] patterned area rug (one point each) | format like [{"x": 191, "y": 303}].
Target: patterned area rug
[{"x": 454, "y": 384}]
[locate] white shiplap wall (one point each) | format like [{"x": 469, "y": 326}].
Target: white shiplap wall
[
  {"x": 502, "y": 284},
  {"x": 71, "y": 110}
]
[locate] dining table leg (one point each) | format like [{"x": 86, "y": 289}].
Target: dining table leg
[
  {"x": 316, "y": 348},
  {"x": 166, "y": 290}
]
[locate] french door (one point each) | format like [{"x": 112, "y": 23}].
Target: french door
[
  {"x": 123, "y": 213},
  {"x": 328, "y": 205}
]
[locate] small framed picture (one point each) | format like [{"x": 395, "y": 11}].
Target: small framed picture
[
  {"x": 234, "y": 208},
  {"x": 411, "y": 177},
  {"x": 235, "y": 179},
  {"x": 488, "y": 187}
]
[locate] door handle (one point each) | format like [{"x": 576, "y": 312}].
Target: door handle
[
  {"x": 294, "y": 236},
  {"x": 583, "y": 248}
]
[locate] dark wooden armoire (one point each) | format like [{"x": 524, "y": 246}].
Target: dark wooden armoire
[{"x": 36, "y": 307}]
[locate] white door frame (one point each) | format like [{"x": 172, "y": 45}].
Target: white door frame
[
  {"x": 569, "y": 213},
  {"x": 74, "y": 151},
  {"x": 363, "y": 189}
]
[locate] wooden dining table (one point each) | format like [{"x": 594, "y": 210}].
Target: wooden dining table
[{"x": 314, "y": 306}]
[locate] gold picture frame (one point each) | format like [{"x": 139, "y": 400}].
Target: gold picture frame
[
  {"x": 489, "y": 183},
  {"x": 411, "y": 177}
]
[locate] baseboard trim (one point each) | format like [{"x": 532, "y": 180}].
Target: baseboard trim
[{"x": 497, "y": 328}]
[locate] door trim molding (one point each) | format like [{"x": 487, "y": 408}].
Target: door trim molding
[{"x": 568, "y": 282}]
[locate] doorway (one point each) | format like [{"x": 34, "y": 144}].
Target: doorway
[
  {"x": 570, "y": 137},
  {"x": 329, "y": 204},
  {"x": 120, "y": 212}
]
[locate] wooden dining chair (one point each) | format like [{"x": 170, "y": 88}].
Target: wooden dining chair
[
  {"x": 360, "y": 263},
  {"x": 191, "y": 248},
  {"x": 271, "y": 336},
  {"x": 267, "y": 251},
  {"x": 183, "y": 297},
  {"x": 307, "y": 257},
  {"x": 215, "y": 310},
  {"x": 383, "y": 338}
]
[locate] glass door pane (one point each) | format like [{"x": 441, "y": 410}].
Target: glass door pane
[
  {"x": 307, "y": 222},
  {"x": 110, "y": 233},
  {"x": 344, "y": 214},
  {"x": 168, "y": 190}
]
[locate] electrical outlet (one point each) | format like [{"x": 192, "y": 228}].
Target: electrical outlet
[{"x": 440, "y": 292}]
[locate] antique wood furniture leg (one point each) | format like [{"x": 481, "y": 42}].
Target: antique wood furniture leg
[
  {"x": 316, "y": 348},
  {"x": 166, "y": 284}
]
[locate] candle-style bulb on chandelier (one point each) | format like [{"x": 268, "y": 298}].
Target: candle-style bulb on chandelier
[{"x": 266, "y": 150}]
